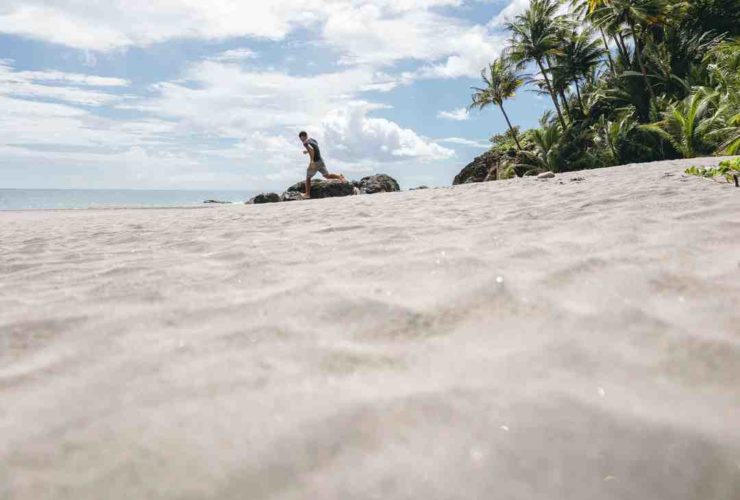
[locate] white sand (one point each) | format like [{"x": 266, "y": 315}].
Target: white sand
[{"x": 514, "y": 340}]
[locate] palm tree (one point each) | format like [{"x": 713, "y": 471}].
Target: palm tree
[
  {"x": 582, "y": 9},
  {"x": 688, "y": 124},
  {"x": 546, "y": 141},
  {"x": 535, "y": 38},
  {"x": 724, "y": 75},
  {"x": 501, "y": 83},
  {"x": 581, "y": 53},
  {"x": 637, "y": 15},
  {"x": 615, "y": 135}
]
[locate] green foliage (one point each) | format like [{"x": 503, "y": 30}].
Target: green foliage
[
  {"x": 719, "y": 16},
  {"x": 506, "y": 142},
  {"x": 630, "y": 80},
  {"x": 729, "y": 169},
  {"x": 693, "y": 124},
  {"x": 502, "y": 81}
]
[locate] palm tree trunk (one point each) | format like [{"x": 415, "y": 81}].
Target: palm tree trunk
[
  {"x": 608, "y": 52},
  {"x": 561, "y": 93},
  {"x": 552, "y": 93},
  {"x": 565, "y": 105},
  {"x": 511, "y": 128},
  {"x": 623, "y": 48},
  {"x": 643, "y": 69},
  {"x": 580, "y": 99}
]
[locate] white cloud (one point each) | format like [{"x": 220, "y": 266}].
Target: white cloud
[
  {"x": 509, "y": 12},
  {"x": 235, "y": 55},
  {"x": 355, "y": 136},
  {"x": 218, "y": 114},
  {"x": 362, "y": 32},
  {"x": 466, "y": 142},
  {"x": 120, "y": 23},
  {"x": 459, "y": 115},
  {"x": 55, "y": 85},
  {"x": 229, "y": 101}
]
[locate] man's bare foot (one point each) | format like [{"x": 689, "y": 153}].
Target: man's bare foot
[{"x": 306, "y": 196}]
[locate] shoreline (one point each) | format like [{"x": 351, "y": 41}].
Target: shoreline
[{"x": 701, "y": 162}]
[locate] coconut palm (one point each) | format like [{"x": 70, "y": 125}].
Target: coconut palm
[
  {"x": 501, "y": 83},
  {"x": 670, "y": 87},
  {"x": 583, "y": 11},
  {"x": 638, "y": 16},
  {"x": 535, "y": 38},
  {"x": 546, "y": 140},
  {"x": 689, "y": 125},
  {"x": 581, "y": 53},
  {"x": 724, "y": 75}
]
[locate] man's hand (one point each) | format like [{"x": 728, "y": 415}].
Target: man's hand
[{"x": 305, "y": 152}]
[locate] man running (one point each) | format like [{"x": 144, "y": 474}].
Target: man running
[{"x": 317, "y": 162}]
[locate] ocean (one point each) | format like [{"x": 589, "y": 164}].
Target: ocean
[{"x": 35, "y": 199}]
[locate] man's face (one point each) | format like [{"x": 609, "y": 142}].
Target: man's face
[{"x": 304, "y": 139}]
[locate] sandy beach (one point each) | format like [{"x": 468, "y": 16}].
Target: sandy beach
[{"x": 574, "y": 338}]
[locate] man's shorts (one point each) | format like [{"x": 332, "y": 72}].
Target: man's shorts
[{"x": 316, "y": 167}]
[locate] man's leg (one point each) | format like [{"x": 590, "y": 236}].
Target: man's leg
[
  {"x": 325, "y": 173},
  {"x": 310, "y": 172}
]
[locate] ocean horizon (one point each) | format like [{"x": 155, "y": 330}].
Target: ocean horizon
[{"x": 61, "y": 199}]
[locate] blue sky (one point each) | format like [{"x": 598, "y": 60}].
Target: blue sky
[{"x": 176, "y": 94}]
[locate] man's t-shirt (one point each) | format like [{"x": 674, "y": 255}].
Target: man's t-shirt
[{"x": 316, "y": 149}]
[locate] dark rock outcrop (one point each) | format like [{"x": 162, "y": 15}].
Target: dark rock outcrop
[
  {"x": 379, "y": 183},
  {"x": 324, "y": 189},
  {"x": 217, "y": 202},
  {"x": 420, "y": 188},
  {"x": 486, "y": 167},
  {"x": 263, "y": 198},
  {"x": 292, "y": 196}
]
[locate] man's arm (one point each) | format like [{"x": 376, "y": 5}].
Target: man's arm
[{"x": 310, "y": 151}]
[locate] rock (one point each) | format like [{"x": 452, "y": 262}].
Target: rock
[
  {"x": 324, "y": 189},
  {"x": 292, "y": 196},
  {"x": 217, "y": 202},
  {"x": 263, "y": 198},
  {"x": 419, "y": 188},
  {"x": 485, "y": 167},
  {"x": 546, "y": 175},
  {"x": 379, "y": 183}
]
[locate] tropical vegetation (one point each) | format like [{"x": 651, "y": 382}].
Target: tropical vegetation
[
  {"x": 728, "y": 169},
  {"x": 629, "y": 80}
]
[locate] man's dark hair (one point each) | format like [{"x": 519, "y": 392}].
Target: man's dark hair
[{"x": 302, "y": 135}]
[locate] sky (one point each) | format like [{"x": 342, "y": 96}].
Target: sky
[{"x": 187, "y": 94}]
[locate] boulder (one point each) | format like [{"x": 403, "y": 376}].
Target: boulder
[
  {"x": 485, "y": 167},
  {"x": 379, "y": 183},
  {"x": 324, "y": 189},
  {"x": 265, "y": 198},
  {"x": 217, "y": 202},
  {"x": 420, "y": 188},
  {"x": 292, "y": 196},
  {"x": 546, "y": 175}
]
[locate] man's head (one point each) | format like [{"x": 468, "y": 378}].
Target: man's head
[{"x": 303, "y": 136}]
